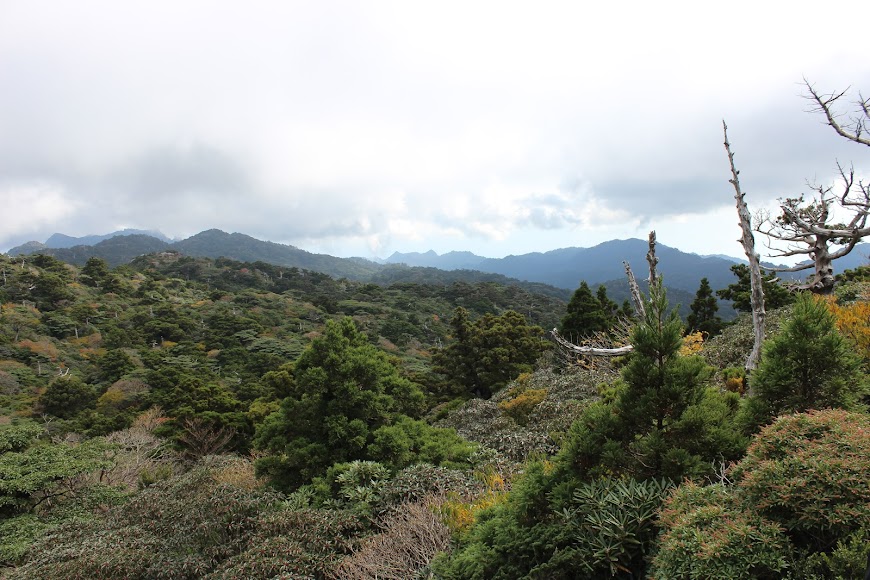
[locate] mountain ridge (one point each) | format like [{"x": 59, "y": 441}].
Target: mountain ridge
[{"x": 562, "y": 268}]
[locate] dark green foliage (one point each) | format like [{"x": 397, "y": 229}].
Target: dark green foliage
[
  {"x": 488, "y": 353},
  {"x": 588, "y": 314},
  {"x": 94, "y": 272},
  {"x": 775, "y": 296},
  {"x": 704, "y": 308},
  {"x": 66, "y": 396},
  {"x": 340, "y": 391},
  {"x": 115, "y": 364},
  {"x": 807, "y": 365}
]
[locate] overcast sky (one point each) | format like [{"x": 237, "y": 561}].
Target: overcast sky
[{"x": 364, "y": 128}]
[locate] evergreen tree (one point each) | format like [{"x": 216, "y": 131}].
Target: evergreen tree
[
  {"x": 775, "y": 296},
  {"x": 340, "y": 391},
  {"x": 586, "y": 314},
  {"x": 808, "y": 365},
  {"x": 704, "y": 308},
  {"x": 659, "y": 420},
  {"x": 487, "y": 354}
]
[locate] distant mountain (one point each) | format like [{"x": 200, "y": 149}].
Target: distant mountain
[
  {"x": 448, "y": 261},
  {"x": 567, "y": 267},
  {"x": 216, "y": 243},
  {"x": 121, "y": 249},
  {"x": 65, "y": 241},
  {"x": 563, "y": 268},
  {"x": 116, "y": 250}
]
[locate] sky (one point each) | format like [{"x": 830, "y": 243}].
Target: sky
[{"x": 362, "y": 128}]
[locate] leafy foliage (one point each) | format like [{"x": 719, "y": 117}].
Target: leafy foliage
[
  {"x": 600, "y": 530},
  {"x": 798, "y": 503},
  {"x": 708, "y": 536}
]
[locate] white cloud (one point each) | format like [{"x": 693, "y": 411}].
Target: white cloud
[{"x": 374, "y": 127}]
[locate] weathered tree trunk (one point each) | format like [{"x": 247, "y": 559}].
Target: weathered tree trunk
[
  {"x": 636, "y": 296},
  {"x": 748, "y": 241}
]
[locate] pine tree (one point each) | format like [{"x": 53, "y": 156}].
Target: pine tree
[
  {"x": 704, "y": 308},
  {"x": 660, "y": 420}
]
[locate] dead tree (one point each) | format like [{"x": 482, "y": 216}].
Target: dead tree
[
  {"x": 807, "y": 226},
  {"x": 748, "y": 241}
]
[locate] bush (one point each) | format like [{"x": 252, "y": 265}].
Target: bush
[
  {"x": 707, "y": 537},
  {"x": 808, "y": 473}
]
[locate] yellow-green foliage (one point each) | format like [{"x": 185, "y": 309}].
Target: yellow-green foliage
[
  {"x": 518, "y": 408},
  {"x": 853, "y": 322},
  {"x": 735, "y": 379},
  {"x": 459, "y": 514},
  {"x": 692, "y": 344}
]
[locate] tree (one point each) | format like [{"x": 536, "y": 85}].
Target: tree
[
  {"x": 340, "y": 391},
  {"x": 739, "y": 293},
  {"x": 809, "y": 227},
  {"x": 66, "y": 396},
  {"x": 94, "y": 271},
  {"x": 487, "y": 354},
  {"x": 704, "y": 308},
  {"x": 587, "y": 313},
  {"x": 808, "y": 365},
  {"x": 659, "y": 420}
]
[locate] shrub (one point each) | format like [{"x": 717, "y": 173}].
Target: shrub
[
  {"x": 519, "y": 407},
  {"x": 808, "y": 473},
  {"x": 707, "y": 537},
  {"x": 807, "y": 365}
]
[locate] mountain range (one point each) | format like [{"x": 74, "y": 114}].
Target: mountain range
[{"x": 563, "y": 268}]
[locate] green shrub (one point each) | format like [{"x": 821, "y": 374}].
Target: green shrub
[
  {"x": 707, "y": 537},
  {"x": 808, "y": 473}
]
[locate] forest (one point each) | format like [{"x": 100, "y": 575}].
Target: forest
[{"x": 182, "y": 417}]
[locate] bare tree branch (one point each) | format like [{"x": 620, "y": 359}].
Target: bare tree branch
[
  {"x": 636, "y": 296},
  {"x": 857, "y": 127}
]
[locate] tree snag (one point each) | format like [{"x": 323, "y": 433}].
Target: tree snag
[
  {"x": 809, "y": 227},
  {"x": 748, "y": 241}
]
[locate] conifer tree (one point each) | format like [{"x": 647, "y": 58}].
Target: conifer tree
[
  {"x": 775, "y": 296},
  {"x": 586, "y": 314},
  {"x": 808, "y": 365},
  {"x": 704, "y": 308}
]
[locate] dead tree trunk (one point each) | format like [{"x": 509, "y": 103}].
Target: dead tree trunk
[{"x": 748, "y": 241}]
